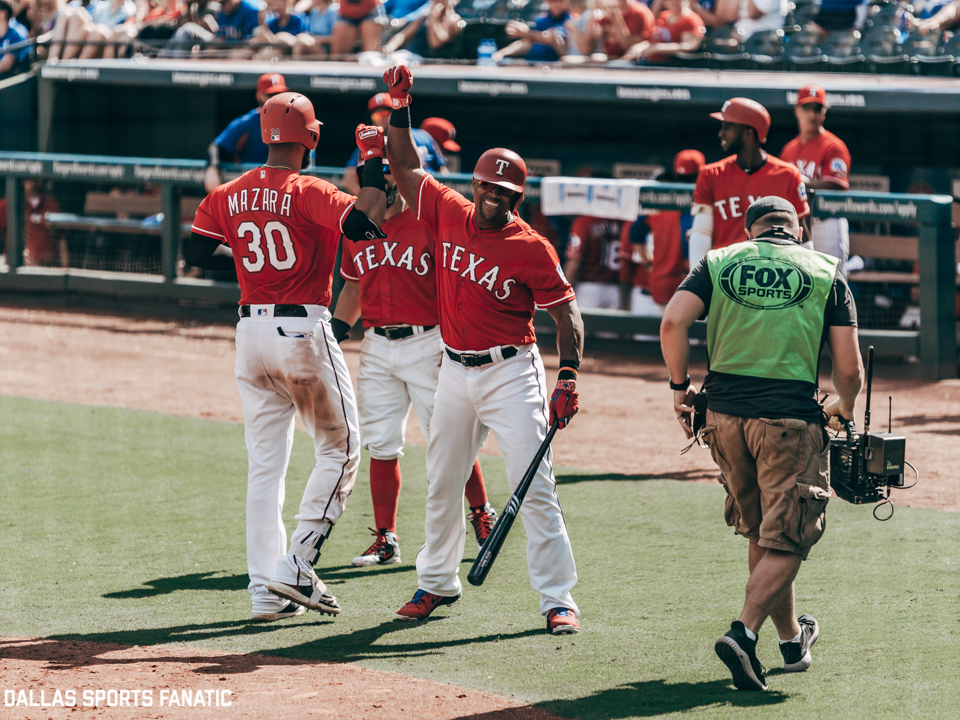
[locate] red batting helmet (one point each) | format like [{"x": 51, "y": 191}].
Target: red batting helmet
[
  {"x": 289, "y": 117},
  {"x": 502, "y": 167},
  {"x": 744, "y": 111}
]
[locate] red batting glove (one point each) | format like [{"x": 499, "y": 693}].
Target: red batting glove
[
  {"x": 565, "y": 402},
  {"x": 399, "y": 80},
  {"x": 370, "y": 142}
]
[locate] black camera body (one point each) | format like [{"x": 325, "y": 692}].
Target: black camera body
[{"x": 863, "y": 465}]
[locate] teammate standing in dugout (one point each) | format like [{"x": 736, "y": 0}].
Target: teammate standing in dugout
[
  {"x": 772, "y": 306},
  {"x": 493, "y": 270},
  {"x": 281, "y": 230}
]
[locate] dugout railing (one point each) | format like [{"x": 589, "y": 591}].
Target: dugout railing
[{"x": 934, "y": 342}]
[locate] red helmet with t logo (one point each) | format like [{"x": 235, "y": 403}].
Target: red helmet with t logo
[{"x": 502, "y": 167}]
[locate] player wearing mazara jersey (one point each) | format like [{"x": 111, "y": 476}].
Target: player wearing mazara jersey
[
  {"x": 725, "y": 189},
  {"x": 393, "y": 282},
  {"x": 281, "y": 230},
  {"x": 824, "y": 162},
  {"x": 492, "y": 271}
]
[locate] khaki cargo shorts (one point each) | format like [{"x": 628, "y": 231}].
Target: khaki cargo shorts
[{"x": 776, "y": 476}]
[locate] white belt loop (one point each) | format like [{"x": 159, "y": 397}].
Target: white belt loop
[{"x": 496, "y": 354}]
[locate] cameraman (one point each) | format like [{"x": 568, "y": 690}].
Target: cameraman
[{"x": 773, "y": 305}]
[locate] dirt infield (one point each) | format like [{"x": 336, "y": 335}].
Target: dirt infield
[{"x": 625, "y": 428}]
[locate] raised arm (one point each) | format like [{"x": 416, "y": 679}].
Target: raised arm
[{"x": 401, "y": 151}]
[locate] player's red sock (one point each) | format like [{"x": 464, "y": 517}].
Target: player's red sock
[
  {"x": 475, "y": 491},
  {"x": 385, "y": 490}
]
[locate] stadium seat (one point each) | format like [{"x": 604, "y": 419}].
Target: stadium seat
[
  {"x": 723, "y": 47},
  {"x": 928, "y": 55},
  {"x": 476, "y": 30},
  {"x": 764, "y": 50},
  {"x": 842, "y": 49},
  {"x": 803, "y": 51},
  {"x": 882, "y": 47},
  {"x": 801, "y": 12}
]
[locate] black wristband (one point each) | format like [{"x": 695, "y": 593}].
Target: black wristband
[
  {"x": 680, "y": 387},
  {"x": 400, "y": 118},
  {"x": 340, "y": 329},
  {"x": 567, "y": 374},
  {"x": 373, "y": 174},
  {"x": 574, "y": 364}
]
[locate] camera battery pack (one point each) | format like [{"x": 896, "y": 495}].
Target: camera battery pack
[{"x": 884, "y": 455}]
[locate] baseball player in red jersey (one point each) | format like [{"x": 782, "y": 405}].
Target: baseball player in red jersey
[
  {"x": 824, "y": 162},
  {"x": 725, "y": 189},
  {"x": 593, "y": 260},
  {"x": 281, "y": 230},
  {"x": 393, "y": 282},
  {"x": 493, "y": 270}
]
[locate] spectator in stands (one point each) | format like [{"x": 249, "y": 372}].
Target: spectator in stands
[
  {"x": 434, "y": 28},
  {"x": 616, "y": 25},
  {"x": 235, "y": 23},
  {"x": 113, "y": 27},
  {"x": 42, "y": 246},
  {"x": 592, "y": 262},
  {"x": 545, "y": 41},
  {"x": 706, "y": 9},
  {"x": 359, "y": 21},
  {"x": 241, "y": 141},
  {"x": 65, "y": 29},
  {"x": 379, "y": 108},
  {"x": 444, "y": 135},
  {"x": 321, "y": 17},
  {"x": 666, "y": 261},
  {"x": 11, "y": 33},
  {"x": 162, "y": 20},
  {"x": 678, "y": 29},
  {"x": 947, "y": 17},
  {"x": 279, "y": 27},
  {"x": 750, "y": 16}
]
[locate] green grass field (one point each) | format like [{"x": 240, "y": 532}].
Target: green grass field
[{"x": 130, "y": 525}]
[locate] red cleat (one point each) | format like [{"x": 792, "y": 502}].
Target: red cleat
[
  {"x": 562, "y": 621},
  {"x": 423, "y": 604}
]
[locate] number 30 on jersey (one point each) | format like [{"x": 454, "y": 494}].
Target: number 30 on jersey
[{"x": 279, "y": 247}]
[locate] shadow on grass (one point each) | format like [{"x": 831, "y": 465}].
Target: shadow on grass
[
  {"x": 81, "y": 650},
  {"x": 568, "y": 478},
  {"x": 658, "y": 697},
  {"x": 193, "y": 581}
]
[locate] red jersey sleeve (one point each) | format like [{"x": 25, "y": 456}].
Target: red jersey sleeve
[
  {"x": 703, "y": 189},
  {"x": 322, "y": 204},
  {"x": 348, "y": 271},
  {"x": 432, "y": 198},
  {"x": 835, "y": 164},
  {"x": 547, "y": 282},
  {"x": 797, "y": 192},
  {"x": 580, "y": 227},
  {"x": 205, "y": 222}
]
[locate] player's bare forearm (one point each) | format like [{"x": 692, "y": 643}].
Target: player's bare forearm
[
  {"x": 372, "y": 202},
  {"x": 348, "y": 303},
  {"x": 404, "y": 161},
  {"x": 569, "y": 331},
  {"x": 204, "y": 252}
]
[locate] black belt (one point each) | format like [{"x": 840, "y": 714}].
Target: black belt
[
  {"x": 280, "y": 311},
  {"x": 399, "y": 333},
  {"x": 476, "y": 360}
]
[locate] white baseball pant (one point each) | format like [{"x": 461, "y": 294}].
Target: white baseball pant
[
  {"x": 598, "y": 296},
  {"x": 510, "y": 398},
  {"x": 832, "y": 236},
  {"x": 393, "y": 376},
  {"x": 301, "y": 371}
]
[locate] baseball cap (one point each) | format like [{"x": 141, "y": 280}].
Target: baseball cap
[
  {"x": 812, "y": 94},
  {"x": 380, "y": 101},
  {"x": 688, "y": 162},
  {"x": 271, "y": 84},
  {"x": 765, "y": 205},
  {"x": 442, "y": 131}
]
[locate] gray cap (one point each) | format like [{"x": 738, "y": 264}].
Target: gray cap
[{"x": 765, "y": 205}]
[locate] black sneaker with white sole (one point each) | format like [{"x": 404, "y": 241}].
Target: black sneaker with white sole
[
  {"x": 796, "y": 655},
  {"x": 739, "y": 653}
]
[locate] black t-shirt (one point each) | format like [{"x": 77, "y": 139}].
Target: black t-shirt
[{"x": 757, "y": 397}]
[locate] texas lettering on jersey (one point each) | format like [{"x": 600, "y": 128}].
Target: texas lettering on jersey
[
  {"x": 475, "y": 268},
  {"x": 384, "y": 254}
]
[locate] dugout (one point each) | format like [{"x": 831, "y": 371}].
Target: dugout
[{"x": 901, "y": 130}]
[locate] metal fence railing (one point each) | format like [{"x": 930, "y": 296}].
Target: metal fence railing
[{"x": 114, "y": 226}]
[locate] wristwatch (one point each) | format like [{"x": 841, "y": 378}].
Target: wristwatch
[{"x": 680, "y": 387}]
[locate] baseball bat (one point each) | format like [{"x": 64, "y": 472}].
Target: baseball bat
[{"x": 491, "y": 548}]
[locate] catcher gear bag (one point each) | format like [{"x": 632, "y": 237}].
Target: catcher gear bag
[
  {"x": 289, "y": 117},
  {"x": 745, "y": 111},
  {"x": 502, "y": 167}
]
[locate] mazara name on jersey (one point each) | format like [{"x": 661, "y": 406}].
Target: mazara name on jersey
[
  {"x": 371, "y": 257},
  {"x": 455, "y": 258},
  {"x": 258, "y": 200},
  {"x": 732, "y": 207}
]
